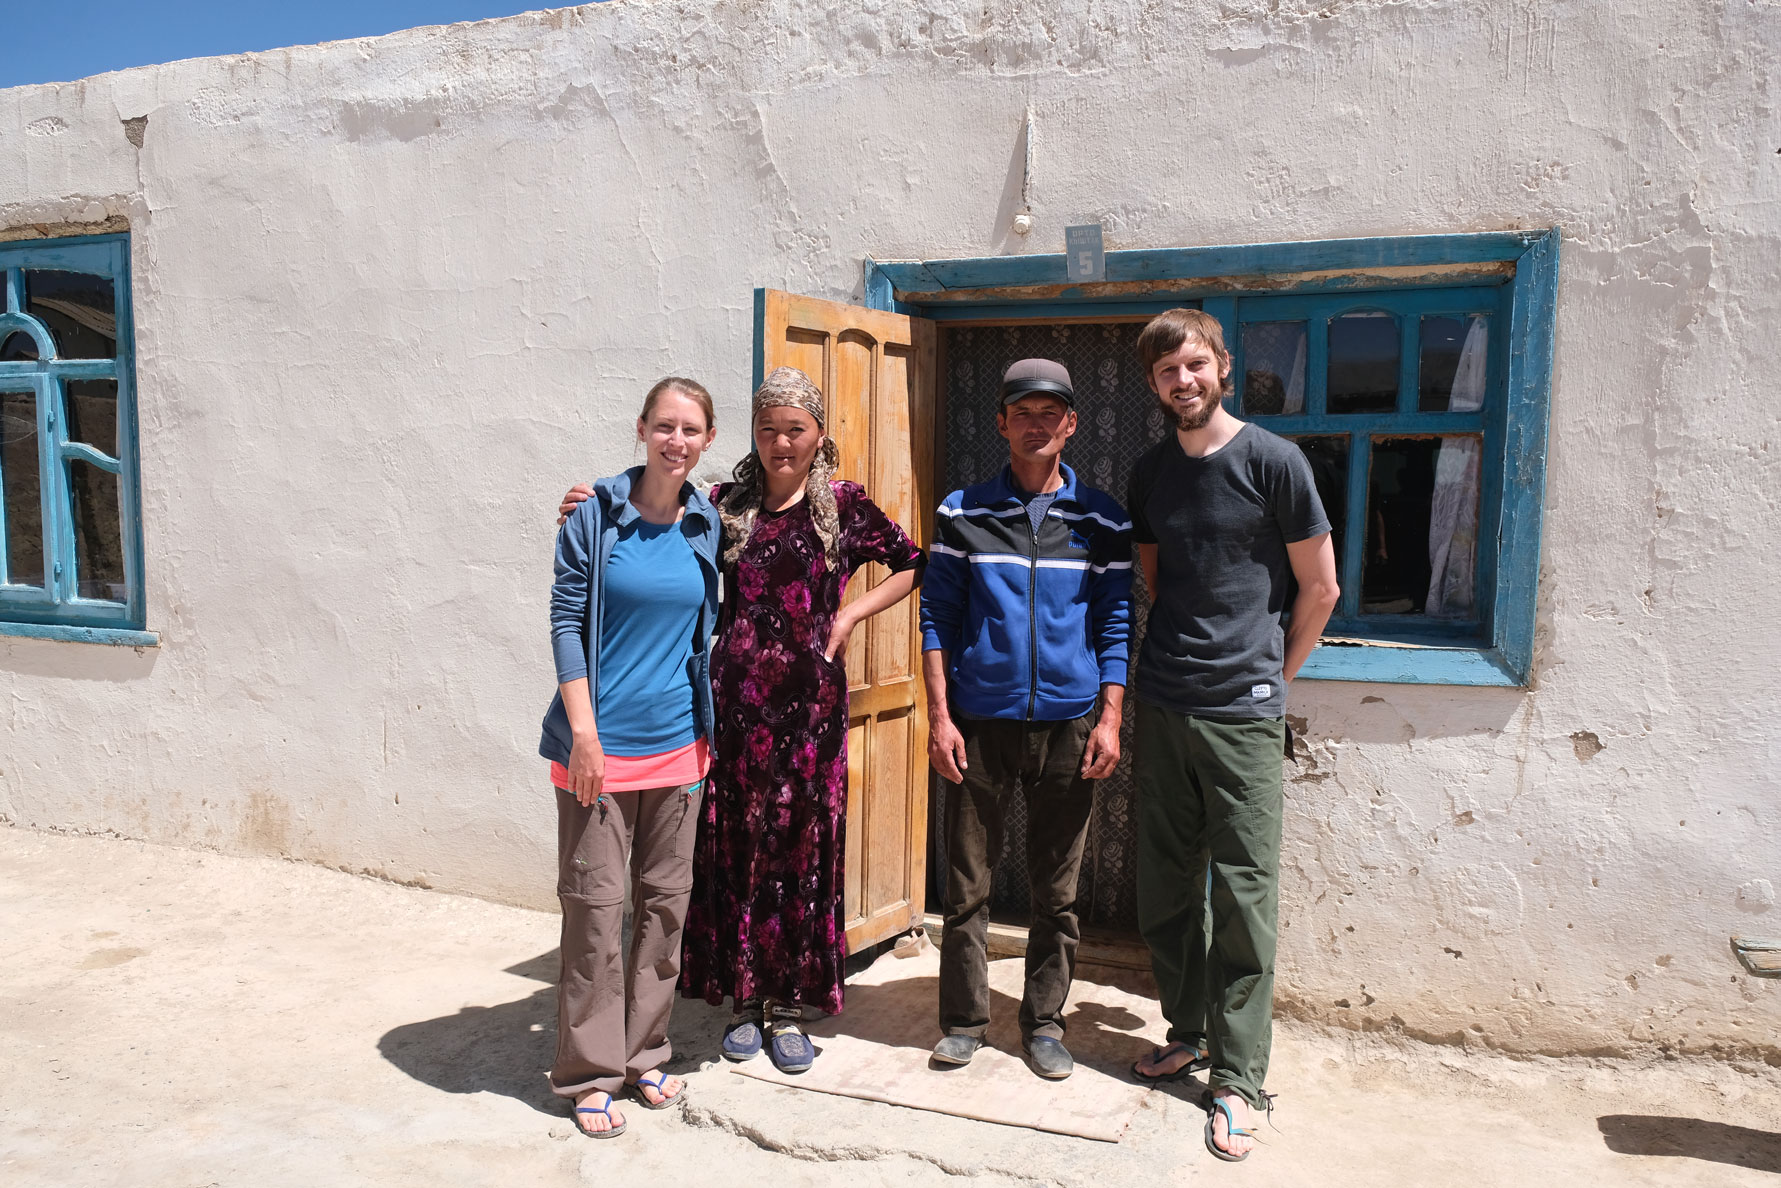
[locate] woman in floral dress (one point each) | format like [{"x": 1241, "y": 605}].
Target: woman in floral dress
[{"x": 765, "y": 927}]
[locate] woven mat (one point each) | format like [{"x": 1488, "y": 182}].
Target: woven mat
[{"x": 878, "y": 1050}]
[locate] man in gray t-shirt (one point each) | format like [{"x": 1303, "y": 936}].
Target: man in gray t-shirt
[
  {"x": 1225, "y": 516},
  {"x": 1214, "y": 646}
]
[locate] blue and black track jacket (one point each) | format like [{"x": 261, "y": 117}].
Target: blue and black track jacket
[{"x": 1033, "y": 623}]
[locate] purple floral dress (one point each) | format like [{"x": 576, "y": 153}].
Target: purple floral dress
[{"x": 766, "y": 914}]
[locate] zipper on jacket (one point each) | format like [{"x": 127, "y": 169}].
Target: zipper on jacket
[{"x": 1032, "y": 620}]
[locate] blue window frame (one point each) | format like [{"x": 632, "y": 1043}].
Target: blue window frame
[
  {"x": 70, "y": 525},
  {"x": 1415, "y": 371}
]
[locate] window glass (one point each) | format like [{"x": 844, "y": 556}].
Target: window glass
[
  {"x": 98, "y": 532},
  {"x": 92, "y": 414},
  {"x": 79, "y": 309},
  {"x": 1421, "y": 528},
  {"x": 1363, "y": 369},
  {"x": 1273, "y": 368},
  {"x": 17, "y": 346},
  {"x": 19, "y": 489},
  {"x": 1453, "y": 364},
  {"x": 1329, "y": 469}
]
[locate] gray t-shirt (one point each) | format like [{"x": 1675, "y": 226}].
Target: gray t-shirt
[{"x": 1221, "y": 524}]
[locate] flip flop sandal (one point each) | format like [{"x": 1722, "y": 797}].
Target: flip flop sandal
[
  {"x": 1232, "y": 1130},
  {"x": 667, "y": 1102},
  {"x": 611, "y": 1131},
  {"x": 1157, "y": 1055}
]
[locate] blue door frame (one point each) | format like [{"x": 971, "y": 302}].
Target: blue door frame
[{"x": 1146, "y": 282}]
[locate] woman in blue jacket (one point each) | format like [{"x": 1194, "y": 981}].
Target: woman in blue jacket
[{"x": 628, "y": 736}]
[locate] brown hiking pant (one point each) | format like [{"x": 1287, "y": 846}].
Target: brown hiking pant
[{"x": 606, "y": 1036}]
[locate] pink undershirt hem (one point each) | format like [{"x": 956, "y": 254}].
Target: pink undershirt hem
[{"x": 633, "y": 773}]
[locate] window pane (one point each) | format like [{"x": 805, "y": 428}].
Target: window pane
[
  {"x": 1273, "y": 368},
  {"x": 1363, "y": 375},
  {"x": 92, "y": 414},
  {"x": 19, "y": 477},
  {"x": 98, "y": 531},
  {"x": 1329, "y": 469},
  {"x": 79, "y": 310},
  {"x": 1454, "y": 351},
  {"x": 1422, "y": 527},
  {"x": 18, "y": 345}
]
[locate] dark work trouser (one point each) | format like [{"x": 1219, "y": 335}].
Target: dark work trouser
[
  {"x": 606, "y": 1036},
  {"x": 1043, "y": 759},
  {"x": 1209, "y": 803}
]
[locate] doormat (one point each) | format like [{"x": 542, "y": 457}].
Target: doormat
[{"x": 878, "y": 1049}]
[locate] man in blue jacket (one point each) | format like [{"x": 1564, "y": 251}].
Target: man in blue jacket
[{"x": 1026, "y": 617}]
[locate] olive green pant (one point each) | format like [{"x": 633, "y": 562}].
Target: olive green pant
[{"x": 1209, "y": 800}]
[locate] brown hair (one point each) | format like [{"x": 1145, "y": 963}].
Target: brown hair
[
  {"x": 1170, "y": 329},
  {"x": 692, "y": 389}
]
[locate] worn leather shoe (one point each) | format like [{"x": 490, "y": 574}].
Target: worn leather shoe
[
  {"x": 1048, "y": 1057},
  {"x": 956, "y": 1049}
]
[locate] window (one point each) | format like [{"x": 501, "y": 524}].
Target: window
[
  {"x": 1390, "y": 395},
  {"x": 70, "y": 542},
  {"x": 1415, "y": 374}
]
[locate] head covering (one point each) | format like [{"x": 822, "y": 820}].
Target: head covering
[
  {"x": 784, "y": 387},
  {"x": 1037, "y": 377}
]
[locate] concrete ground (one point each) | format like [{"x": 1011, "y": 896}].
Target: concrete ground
[{"x": 169, "y": 1017}]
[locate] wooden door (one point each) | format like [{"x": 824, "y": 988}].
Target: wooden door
[{"x": 876, "y": 372}]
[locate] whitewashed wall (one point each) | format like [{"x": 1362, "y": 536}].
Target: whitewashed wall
[{"x": 392, "y": 295}]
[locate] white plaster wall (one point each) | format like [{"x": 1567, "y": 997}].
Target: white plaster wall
[{"x": 391, "y": 295}]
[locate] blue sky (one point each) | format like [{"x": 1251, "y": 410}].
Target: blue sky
[{"x": 60, "y": 40}]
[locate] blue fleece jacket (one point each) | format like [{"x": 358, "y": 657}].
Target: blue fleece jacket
[
  {"x": 1033, "y": 622},
  {"x": 584, "y": 544}
]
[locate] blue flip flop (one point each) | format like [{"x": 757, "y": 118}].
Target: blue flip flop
[
  {"x": 610, "y": 1131},
  {"x": 661, "y": 1079},
  {"x": 1232, "y": 1130},
  {"x": 1200, "y": 1060}
]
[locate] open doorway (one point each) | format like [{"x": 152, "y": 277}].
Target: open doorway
[{"x": 1118, "y": 419}]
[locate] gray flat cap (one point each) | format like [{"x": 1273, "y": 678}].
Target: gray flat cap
[{"x": 1037, "y": 377}]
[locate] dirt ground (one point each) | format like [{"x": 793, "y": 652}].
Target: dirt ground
[{"x": 177, "y": 1018}]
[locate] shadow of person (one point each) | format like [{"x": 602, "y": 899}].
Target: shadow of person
[
  {"x": 903, "y": 1013},
  {"x": 1691, "y": 1138},
  {"x": 897, "y": 1014},
  {"x": 503, "y": 1049},
  {"x": 507, "y": 1049}
]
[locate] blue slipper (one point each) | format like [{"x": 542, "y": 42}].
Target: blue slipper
[
  {"x": 742, "y": 1038},
  {"x": 788, "y": 1047},
  {"x": 611, "y": 1131}
]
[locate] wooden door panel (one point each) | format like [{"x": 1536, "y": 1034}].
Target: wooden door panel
[
  {"x": 876, "y": 371},
  {"x": 887, "y": 831}
]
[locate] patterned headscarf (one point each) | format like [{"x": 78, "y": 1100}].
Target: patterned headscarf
[{"x": 790, "y": 388}]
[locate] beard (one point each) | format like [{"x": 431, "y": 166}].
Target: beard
[{"x": 1188, "y": 422}]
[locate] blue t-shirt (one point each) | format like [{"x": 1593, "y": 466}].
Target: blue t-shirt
[{"x": 649, "y": 613}]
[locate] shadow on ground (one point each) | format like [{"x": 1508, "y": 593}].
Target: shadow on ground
[
  {"x": 1691, "y": 1138},
  {"x": 507, "y": 1049},
  {"x": 904, "y": 1014}
]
